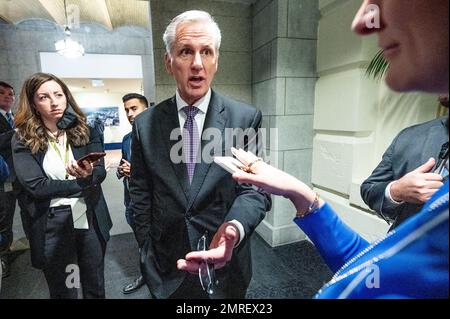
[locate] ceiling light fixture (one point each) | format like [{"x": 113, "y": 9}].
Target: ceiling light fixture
[
  {"x": 68, "y": 47},
  {"x": 97, "y": 83}
]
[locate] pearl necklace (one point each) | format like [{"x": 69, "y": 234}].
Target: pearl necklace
[{"x": 438, "y": 203}]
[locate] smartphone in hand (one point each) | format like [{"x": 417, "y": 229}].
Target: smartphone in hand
[{"x": 91, "y": 158}]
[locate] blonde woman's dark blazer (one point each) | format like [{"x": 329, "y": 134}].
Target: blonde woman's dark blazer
[{"x": 39, "y": 190}]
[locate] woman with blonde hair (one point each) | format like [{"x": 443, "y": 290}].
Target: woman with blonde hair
[{"x": 66, "y": 210}]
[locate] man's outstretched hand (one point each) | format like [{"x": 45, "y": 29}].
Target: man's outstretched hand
[{"x": 219, "y": 253}]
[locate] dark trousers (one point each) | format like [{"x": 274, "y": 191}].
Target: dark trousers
[
  {"x": 190, "y": 289},
  {"x": 7, "y": 208},
  {"x": 129, "y": 216},
  {"x": 75, "y": 257},
  {"x": 130, "y": 220}
]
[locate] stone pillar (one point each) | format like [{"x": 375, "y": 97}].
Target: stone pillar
[{"x": 284, "y": 77}]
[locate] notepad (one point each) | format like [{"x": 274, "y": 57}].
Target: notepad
[
  {"x": 228, "y": 163},
  {"x": 243, "y": 161}
]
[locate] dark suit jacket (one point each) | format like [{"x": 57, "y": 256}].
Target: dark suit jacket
[
  {"x": 6, "y": 134},
  {"x": 4, "y": 169},
  {"x": 39, "y": 190},
  {"x": 171, "y": 215},
  {"x": 411, "y": 148},
  {"x": 126, "y": 154}
]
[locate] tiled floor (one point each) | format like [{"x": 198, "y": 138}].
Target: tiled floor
[{"x": 290, "y": 271}]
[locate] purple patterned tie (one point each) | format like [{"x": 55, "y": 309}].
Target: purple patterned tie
[{"x": 191, "y": 139}]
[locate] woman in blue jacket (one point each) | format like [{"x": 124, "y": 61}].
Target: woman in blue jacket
[{"x": 412, "y": 260}]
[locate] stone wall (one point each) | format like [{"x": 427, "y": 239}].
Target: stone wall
[
  {"x": 235, "y": 62},
  {"x": 356, "y": 118},
  {"x": 20, "y": 46},
  {"x": 284, "y": 77}
]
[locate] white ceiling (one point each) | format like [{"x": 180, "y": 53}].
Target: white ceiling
[{"x": 109, "y": 13}]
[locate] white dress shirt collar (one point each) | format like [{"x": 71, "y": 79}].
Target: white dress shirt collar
[
  {"x": 202, "y": 104},
  {"x": 3, "y": 112}
]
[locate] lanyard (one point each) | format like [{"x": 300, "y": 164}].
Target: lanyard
[{"x": 66, "y": 156}]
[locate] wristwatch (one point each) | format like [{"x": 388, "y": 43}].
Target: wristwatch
[{"x": 311, "y": 209}]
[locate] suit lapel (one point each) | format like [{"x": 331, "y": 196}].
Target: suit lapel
[
  {"x": 215, "y": 118},
  {"x": 78, "y": 152},
  {"x": 168, "y": 123},
  {"x": 429, "y": 146},
  {"x": 4, "y": 125}
]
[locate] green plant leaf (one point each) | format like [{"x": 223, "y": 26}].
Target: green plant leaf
[{"x": 377, "y": 67}]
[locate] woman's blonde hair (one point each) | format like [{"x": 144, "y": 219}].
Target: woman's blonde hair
[{"x": 30, "y": 126}]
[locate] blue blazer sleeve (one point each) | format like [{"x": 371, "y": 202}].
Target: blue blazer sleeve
[
  {"x": 4, "y": 170},
  {"x": 334, "y": 240}
]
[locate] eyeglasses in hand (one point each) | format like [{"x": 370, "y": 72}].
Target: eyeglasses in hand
[{"x": 206, "y": 271}]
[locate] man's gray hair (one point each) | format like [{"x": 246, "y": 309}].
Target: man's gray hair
[{"x": 190, "y": 16}]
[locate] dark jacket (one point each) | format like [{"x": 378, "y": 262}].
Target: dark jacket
[
  {"x": 39, "y": 190},
  {"x": 171, "y": 214},
  {"x": 411, "y": 148},
  {"x": 4, "y": 170},
  {"x": 6, "y": 134},
  {"x": 126, "y": 154}
]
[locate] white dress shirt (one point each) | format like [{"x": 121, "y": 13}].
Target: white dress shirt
[
  {"x": 55, "y": 168},
  {"x": 388, "y": 196},
  {"x": 202, "y": 105}
]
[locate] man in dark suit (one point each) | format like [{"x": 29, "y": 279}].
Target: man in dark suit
[
  {"x": 134, "y": 104},
  {"x": 4, "y": 170},
  {"x": 8, "y": 194},
  {"x": 175, "y": 201},
  {"x": 405, "y": 178}
]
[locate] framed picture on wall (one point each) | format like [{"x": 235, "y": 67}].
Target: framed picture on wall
[
  {"x": 106, "y": 119},
  {"x": 107, "y": 116}
]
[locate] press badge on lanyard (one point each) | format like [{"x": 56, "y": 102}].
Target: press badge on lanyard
[{"x": 7, "y": 187}]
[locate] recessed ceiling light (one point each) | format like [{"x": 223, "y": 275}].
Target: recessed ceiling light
[{"x": 97, "y": 82}]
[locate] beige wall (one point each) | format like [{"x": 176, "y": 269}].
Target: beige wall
[{"x": 356, "y": 118}]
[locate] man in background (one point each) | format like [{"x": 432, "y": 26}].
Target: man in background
[
  {"x": 411, "y": 171},
  {"x": 134, "y": 104},
  {"x": 8, "y": 195}
]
